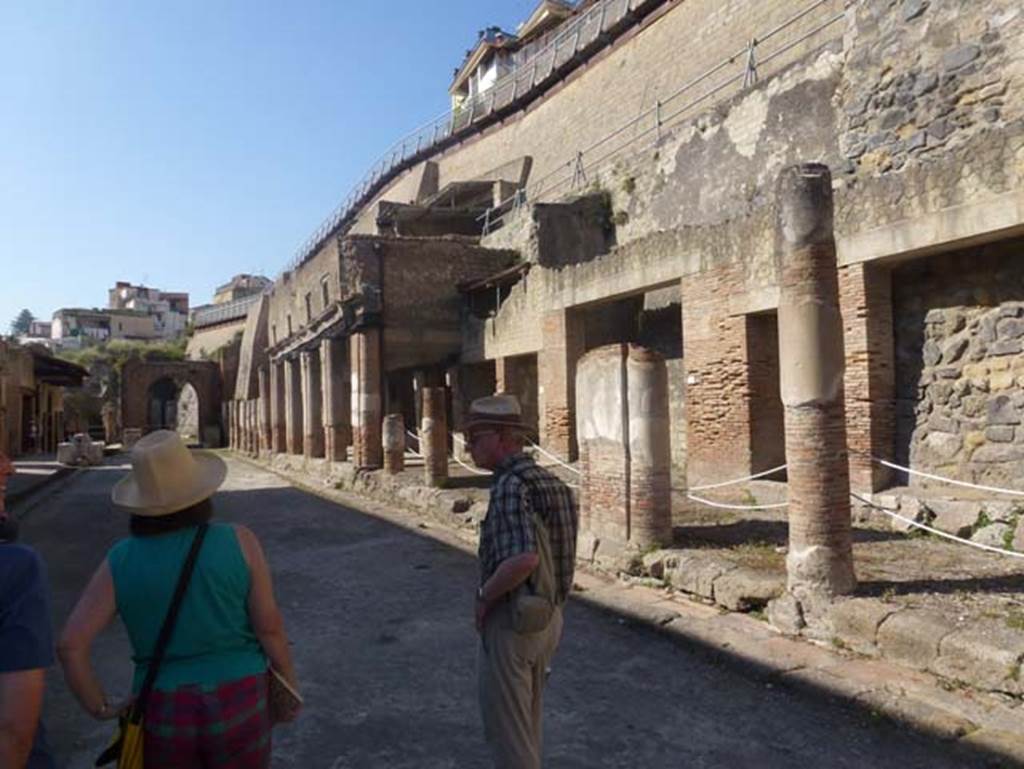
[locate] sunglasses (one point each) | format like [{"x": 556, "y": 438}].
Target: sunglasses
[{"x": 474, "y": 436}]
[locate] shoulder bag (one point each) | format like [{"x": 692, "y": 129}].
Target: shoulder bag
[
  {"x": 534, "y": 601},
  {"x": 126, "y": 747}
]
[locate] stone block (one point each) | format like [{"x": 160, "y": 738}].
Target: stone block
[
  {"x": 744, "y": 589},
  {"x": 1000, "y": 511},
  {"x": 696, "y": 573},
  {"x": 997, "y": 453},
  {"x": 911, "y": 636},
  {"x": 954, "y": 351},
  {"x": 954, "y": 517},
  {"x": 942, "y": 424},
  {"x": 1010, "y": 328},
  {"x": 1018, "y": 538},
  {"x": 911, "y": 9},
  {"x": 1001, "y": 411},
  {"x": 1009, "y": 745},
  {"x": 993, "y": 535},
  {"x": 986, "y": 654},
  {"x": 1006, "y": 347},
  {"x": 1000, "y": 433},
  {"x": 939, "y": 448},
  {"x": 912, "y": 508},
  {"x": 855, "y": 622},
  {"x": 785, "y": 614}
]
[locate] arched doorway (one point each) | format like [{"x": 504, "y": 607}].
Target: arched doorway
[
  {"x": 162, "y": 405},
  {"x": 188, "y": 414}
]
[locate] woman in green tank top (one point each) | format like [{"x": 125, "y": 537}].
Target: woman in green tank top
[{"x": 208, "y": 704}]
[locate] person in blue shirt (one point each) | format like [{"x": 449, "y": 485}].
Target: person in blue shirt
[{"x": 26, "y": 649}]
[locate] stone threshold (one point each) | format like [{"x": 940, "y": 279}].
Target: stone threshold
[{"x": 895, "y": 662}]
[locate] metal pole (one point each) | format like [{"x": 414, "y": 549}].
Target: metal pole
[{"x": 750, "y": 75}]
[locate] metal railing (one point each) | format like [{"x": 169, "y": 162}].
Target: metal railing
[
  {"x": 576, "y": 171},
  {"x": 221, "y": 313},
  {"x": 574, "y": 36}
]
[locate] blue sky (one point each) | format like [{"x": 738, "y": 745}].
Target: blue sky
[{"x": 179, "y": 143}]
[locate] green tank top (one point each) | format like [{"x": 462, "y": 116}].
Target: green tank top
[{"x": 213, "y": 640}]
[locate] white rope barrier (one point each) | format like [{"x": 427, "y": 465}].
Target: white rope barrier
[
  {"x": 471, "y": 469},
  {"x": 738, "y": 480},
  {"x": 551, "y": 456},
  {"x": 725, "y": 506},
  {"x": 952, "y": 481},
  {"x": 936, "y": 532}
]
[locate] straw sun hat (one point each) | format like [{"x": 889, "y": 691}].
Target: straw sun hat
[
  {"x": 166, "y": 477},
  {"x": 501, "y": 410}
]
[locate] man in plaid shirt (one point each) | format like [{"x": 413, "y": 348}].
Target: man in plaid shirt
[{"x": 515, "y": 560}]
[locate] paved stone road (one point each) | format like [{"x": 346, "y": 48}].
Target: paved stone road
[{"x": 379, "y": 616}]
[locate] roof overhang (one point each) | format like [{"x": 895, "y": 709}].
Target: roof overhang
[
  {"x": 546, "y": 15},
  {"x": 56, "y": 371}
]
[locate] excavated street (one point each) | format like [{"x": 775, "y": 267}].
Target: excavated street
[{"x": 379, "y": 612}]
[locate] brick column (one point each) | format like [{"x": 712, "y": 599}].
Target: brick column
[
  {"x": 292, "y": 406},
  {"x": 434, "y": 435},
  {"x": 254, "y": 432},
  {"x": 819, "y": 564},
  {"x": 394, "y": 443},
  {"x": 232, "y": 427},
  {"x": 312, "y": 405},
  {"x": 336, "y": 408},
  {"x": 625, "y": 455},
  {"x": 264, "y": 410},
  {"x": 365, "y": 364},
  {"x": 563, "y": 341},
  {"x": 277, "y": 408},
  {"x": 865, "y": 295}
]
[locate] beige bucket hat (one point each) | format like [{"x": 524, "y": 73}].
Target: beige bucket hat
[{"x": 166, "y": 477}]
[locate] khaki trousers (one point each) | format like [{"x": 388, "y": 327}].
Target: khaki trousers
[{"x": 511, "y": 673}]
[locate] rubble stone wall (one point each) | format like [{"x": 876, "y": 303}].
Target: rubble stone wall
[{"x": 960, "y": 364}]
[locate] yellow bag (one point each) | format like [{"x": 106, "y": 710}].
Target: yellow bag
[{"x": 126, "y": 747}]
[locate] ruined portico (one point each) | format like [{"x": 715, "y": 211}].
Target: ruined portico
[{"x": 355, "y": 332}]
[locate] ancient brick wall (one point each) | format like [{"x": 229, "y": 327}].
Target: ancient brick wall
[
  {"x": 627, "y": 79},
  {"x": 422, "y": 307},
  {"x": 288, "y": 296}
]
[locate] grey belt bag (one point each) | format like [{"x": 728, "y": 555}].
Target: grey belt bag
[{"x": 534, "y": 600}]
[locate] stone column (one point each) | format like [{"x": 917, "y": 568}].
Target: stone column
[
  {"x": 563, "y": 342},
  {"x": 434, "y": 435},
  {"x": 264, "y": 410},
  {"x": 254, "y": 433},
  {"x": 365, "y": 365},
  {"x": 312, "y": 405},
  {"x": 394, "y": 443},
  {"x": 232, "y": 427},
  {"x": 292, "y": 406},
  {"x": 819, "y": 565},
  {"x": 336, "y": 408},
  {"x": 865, "y": 294},
  {"x": 277, "y": 408},
  {"x": 625, "y": 454}
]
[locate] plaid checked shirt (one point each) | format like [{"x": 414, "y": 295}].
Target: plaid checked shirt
[{"x": 507, "y": 530}]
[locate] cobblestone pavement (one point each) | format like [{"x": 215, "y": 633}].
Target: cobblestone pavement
[{"x": 379, "y": 614}]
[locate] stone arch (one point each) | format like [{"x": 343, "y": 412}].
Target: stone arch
[{"x": 138, "y": 380}]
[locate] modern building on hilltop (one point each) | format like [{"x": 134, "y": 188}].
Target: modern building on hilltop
[{"x": 168, "y": 309}]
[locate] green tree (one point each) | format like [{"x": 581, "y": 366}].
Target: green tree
[{"x": 21, "y": 324}]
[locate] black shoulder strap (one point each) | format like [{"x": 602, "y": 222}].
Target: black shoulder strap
[{"x": 167, "y": 629}]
